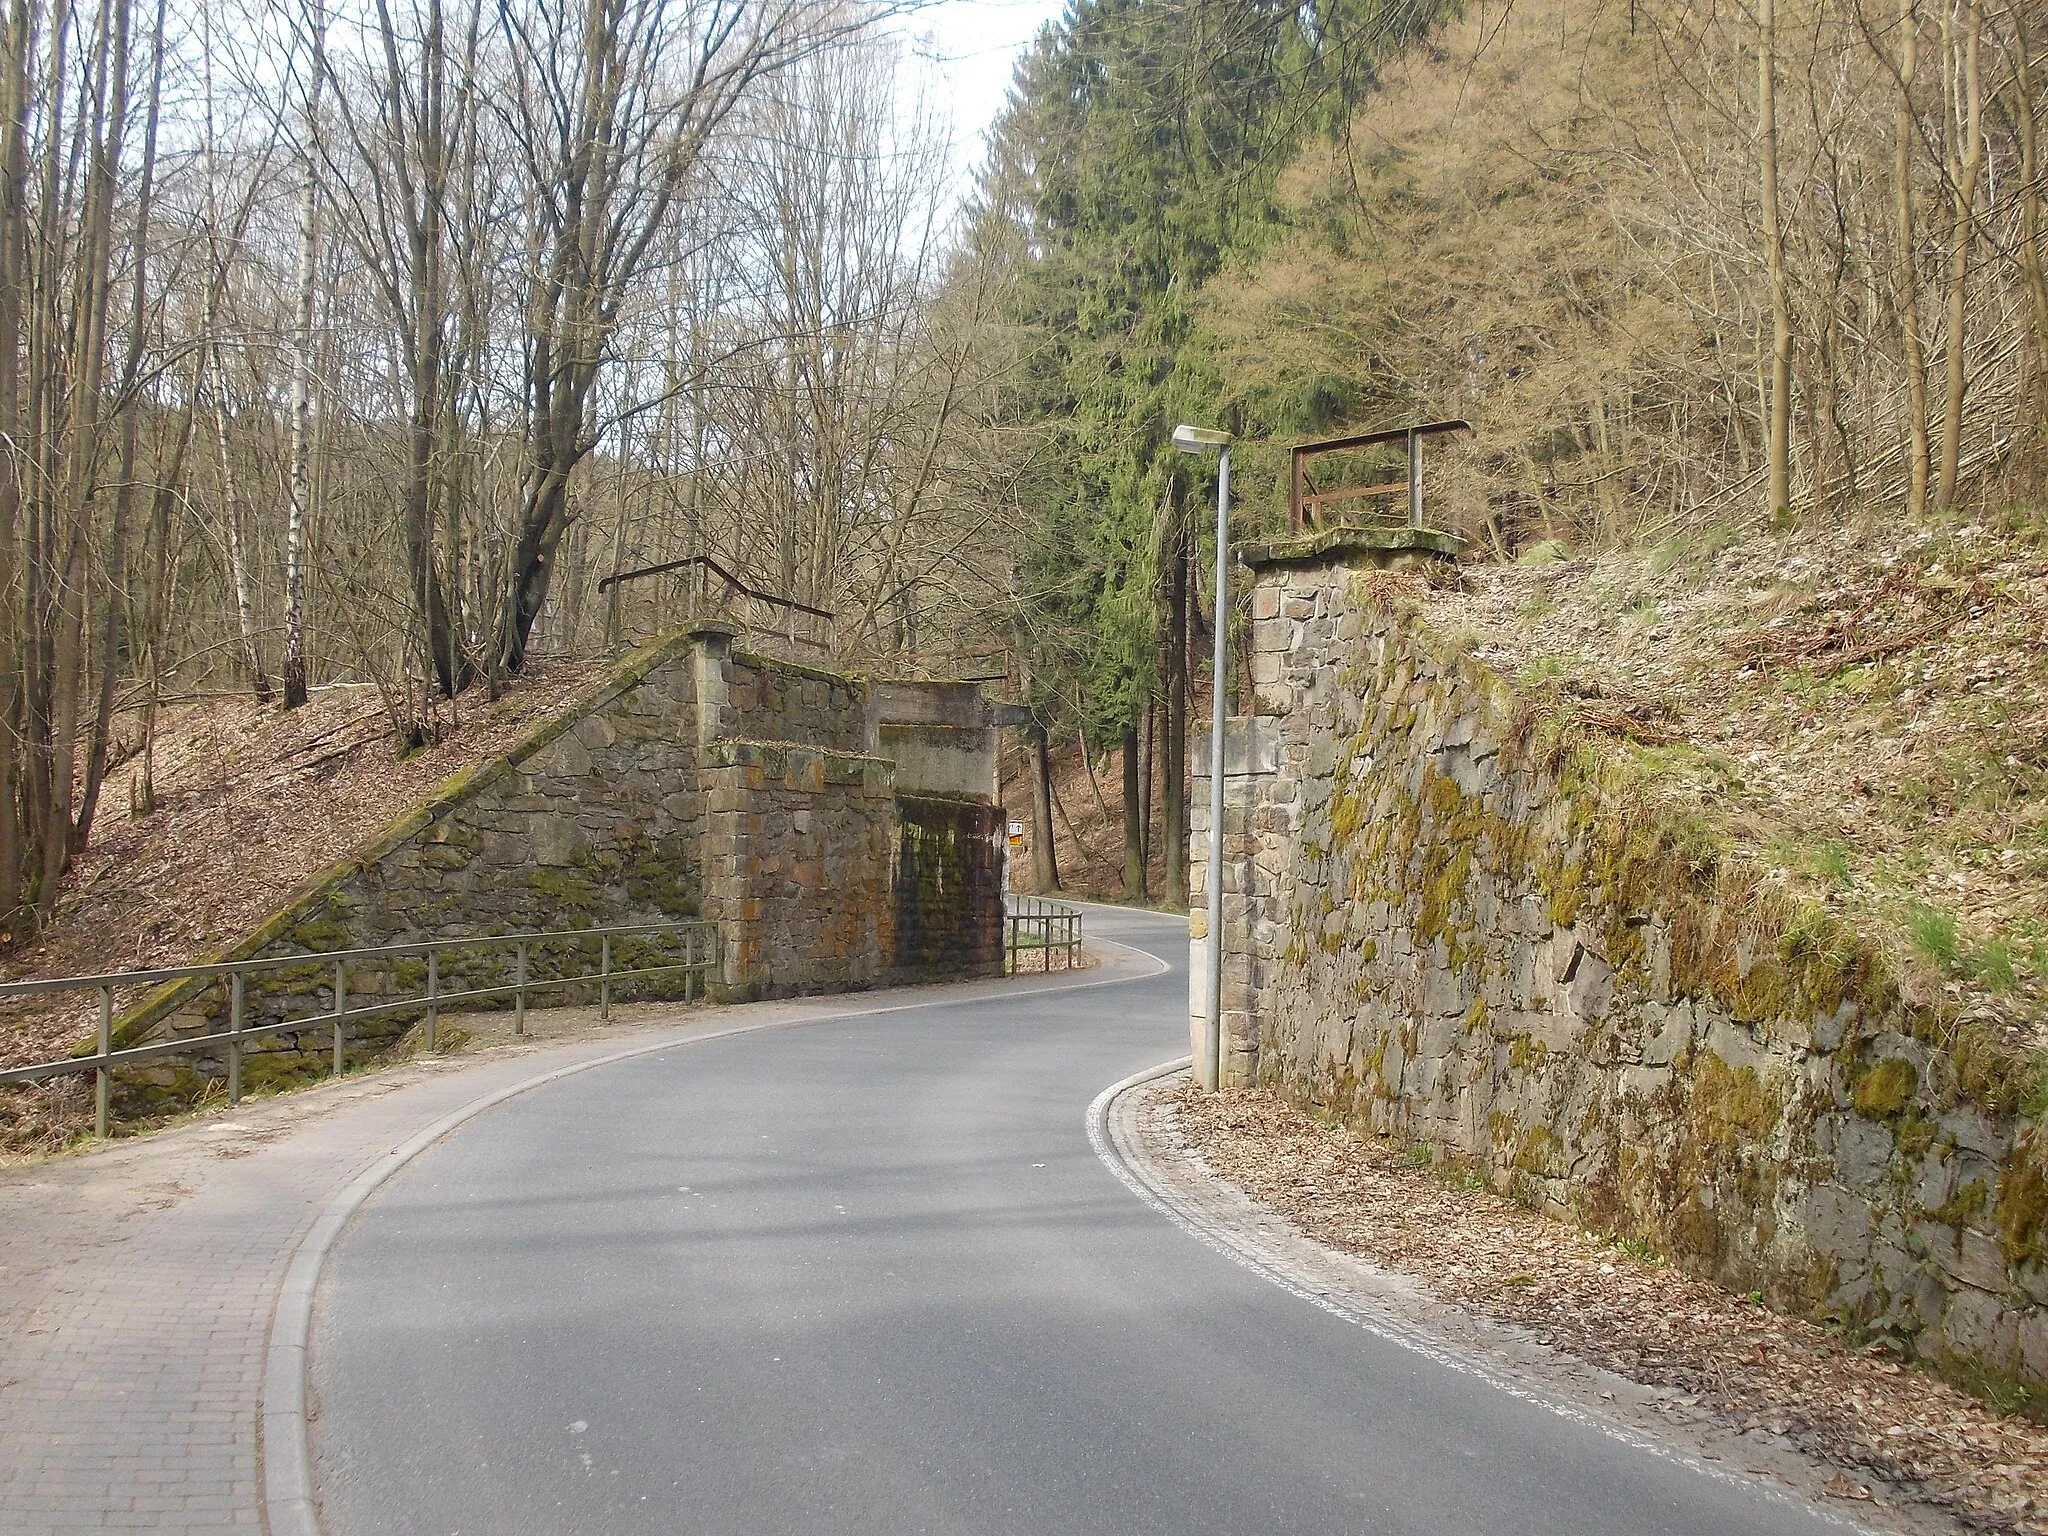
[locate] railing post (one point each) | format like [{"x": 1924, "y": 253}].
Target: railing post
[
  {"x": 235, "y": 1038},
  {"x": 689, "y": 965},
  {"x": 103, "y": 1079},
  {"x": 604, "y": 982},
  {"x": 519, "y": 993},
  {"x": 1414, "y": 479},
  {"x": 433, "y": 995},
  {"x": 340, "y": 1009}
]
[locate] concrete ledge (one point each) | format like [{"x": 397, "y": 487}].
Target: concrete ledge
[{"x": 1353, "y": 546}]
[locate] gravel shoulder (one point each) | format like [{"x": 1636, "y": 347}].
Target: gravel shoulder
[{"x": 1375, "y": 1231}]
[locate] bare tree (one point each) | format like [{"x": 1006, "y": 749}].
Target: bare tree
[
  {"x": 299, "y": 479},
  {"x": 611, "y": 118}
]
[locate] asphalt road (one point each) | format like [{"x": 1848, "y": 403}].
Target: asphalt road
[{"x": 868, "y": 1276}]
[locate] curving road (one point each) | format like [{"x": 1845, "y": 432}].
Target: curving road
[{"x": 866, "y": 1275}]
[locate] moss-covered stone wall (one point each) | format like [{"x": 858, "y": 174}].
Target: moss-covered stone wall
[
  {"x": 798, "y": 839},
  {"x": 592, "y": 819},
  {"x": 1440, "y": 928},
  {"x": 698, "y": 780},
  {"x": 948, "y": 887}
]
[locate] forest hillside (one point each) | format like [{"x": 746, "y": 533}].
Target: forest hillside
[
  {"x": 1740, "y": 301},
  {"x": 1745, "y": 307}
]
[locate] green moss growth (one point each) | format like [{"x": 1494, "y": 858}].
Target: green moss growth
[
  {"x": 1732, "y": 1116},
  {"x": 658, "y": 875},
  {"x": 1962, "y": 1207},
  {"x": 1915, "y": 1136},
  {"x": 1694, "y": 1236},
  {"x": 2023, "y": 1201},
  {"x": 565, "y": 890},
  {"x": 1539, "y": 1151},
  {"x": 1884, "y": 1092}
]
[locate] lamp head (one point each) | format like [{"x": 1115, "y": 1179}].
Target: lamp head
[{"x": 1199, "y": 439}]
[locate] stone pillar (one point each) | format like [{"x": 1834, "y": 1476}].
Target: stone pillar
[
  {"x": 1249, "y": 759},
  {"x": 711, "y": 663},
  {"x": 1301, "y": 619}
]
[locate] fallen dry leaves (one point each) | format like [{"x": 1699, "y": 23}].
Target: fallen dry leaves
[
  {"x": 1894, "y": 1435},
  {"x": 252, "y": 801},
  {"x": 1862, "y": 705}
]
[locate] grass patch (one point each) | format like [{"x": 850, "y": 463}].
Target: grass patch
[
  {"x": 1993, "y": 966},
  {"x": 1934, "y": 935},
  {"x": 1826, "y": 861},
  {"x": 1639, "y": 1249}
]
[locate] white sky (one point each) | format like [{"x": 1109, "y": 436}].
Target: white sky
[{"x": 964, "y": 53}]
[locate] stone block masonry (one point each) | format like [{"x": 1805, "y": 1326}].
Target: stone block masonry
[
  {"x": 1436, "y": 933},
  {"x": 697, "y": 781},
  {"x": 797, "y": 841}
]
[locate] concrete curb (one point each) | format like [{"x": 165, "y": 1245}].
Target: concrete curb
[
  {"x": 285, "y": 1456},
  {"x": 1112, "y": 1132}
]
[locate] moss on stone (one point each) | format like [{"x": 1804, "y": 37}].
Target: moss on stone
[
  {"x": 2023, "y": 1201},
  {"x": 565, "y": 890},
  {"x": 1884, "y": 1092},
  {"x": 1540, "y": 1151},
  {"x": 1962, "y": 1207}
]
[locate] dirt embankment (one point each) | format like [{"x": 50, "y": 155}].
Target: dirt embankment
[
  {"x": 1088, "y": 822},
  {"x": 1861, "y": 707},
  {"x": 251, "y": 801}
]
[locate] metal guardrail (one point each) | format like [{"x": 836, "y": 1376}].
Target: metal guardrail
[
  {"x": 1305, "y": 503},
  {"x": 700, "y": 957},
  {"x": 1033, "y": 923}
]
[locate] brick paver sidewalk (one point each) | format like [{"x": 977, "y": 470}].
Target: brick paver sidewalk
[{"x": 137, "y": 1280}]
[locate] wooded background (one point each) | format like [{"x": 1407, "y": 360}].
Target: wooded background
[{"x": 366, "y": 342}]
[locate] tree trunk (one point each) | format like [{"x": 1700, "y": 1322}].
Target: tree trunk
[
  {"x": 1088, "y": 763},
  {"x": 1134, "y": 814},
  {"x": 1148, "y": 754},
  {"x": 1779, "y": 449},
  {"x": 113, "y": 640},
  {"x": 1962, "y": 235},
  {"x": 2030, "y": 207},
  {"x": 1908, "y": 280},
  {"x": 231, "y": 532},
  {"x": 1045, "y": 867},
  {"x": 292, "y": 670},
  {"x": 16, "y": 97}
]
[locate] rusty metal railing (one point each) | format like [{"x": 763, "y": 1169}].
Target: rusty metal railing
[
  {"x": 1305, "y": 502},
  {"x": 1031, "y": 923},
  {"x": 699, "y": 965}
]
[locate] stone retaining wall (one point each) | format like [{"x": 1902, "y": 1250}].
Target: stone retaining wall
[
  {"x": 1432, "y": 936},
  {"x": 798, "y": 841},
  {"x": 698, "y": 780},
  {"x": 948, "y": 878}
]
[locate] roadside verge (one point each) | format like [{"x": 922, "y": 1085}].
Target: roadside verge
[{"x": 1133, "y": 1129}]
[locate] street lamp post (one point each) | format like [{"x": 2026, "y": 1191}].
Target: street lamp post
[{"x": 1201, "y": 440}]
